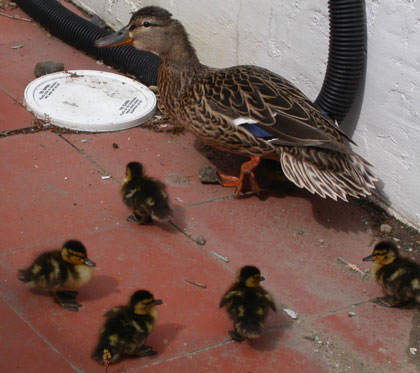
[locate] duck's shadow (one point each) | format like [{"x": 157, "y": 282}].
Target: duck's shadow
[
  {"x": 99, "y": 287},
  {"x": 163, "y": 335},
  {"x": 268, "y": 341},
  {"x": 337, "y": 215}
]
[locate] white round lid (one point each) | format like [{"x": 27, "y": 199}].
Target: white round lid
[{"x": 89, "y": 100}]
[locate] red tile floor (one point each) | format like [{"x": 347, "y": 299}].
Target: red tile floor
[{"x": 52, "y": 190}]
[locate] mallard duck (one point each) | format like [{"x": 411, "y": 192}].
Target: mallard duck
[
  {"x": 127, "y": 328},
  {"x": 146, "y": 196},
  {"x": 247, "y": 110},
  {"x": 399, "y": 276},
  {"x": 247, "y": 304},
  {"x": 55, "y": 271}
]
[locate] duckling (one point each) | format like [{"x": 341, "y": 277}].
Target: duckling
[
  {"x": 399, "y": 276},
  {"x": 57, "y": 270},
  {"x": 146, "y": 196},
  {"x": 127, "y": 328},
  {"x": 247, "y": 304}
]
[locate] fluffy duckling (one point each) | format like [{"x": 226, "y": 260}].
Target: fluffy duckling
[
  {"x": 127, "y": 328},
  {"x": 146, "y": 196},
  {"x": 247, "y": 304},
  {"x": 68, "y": 268},
  {"x": 399, "y": 277}
]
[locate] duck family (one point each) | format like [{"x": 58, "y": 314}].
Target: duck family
[{"x": 246, "y": 110}]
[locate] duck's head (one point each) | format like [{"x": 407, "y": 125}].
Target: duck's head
[
  {"x": 249, "y": 276},
  {"x": 74, "y": 252},
  {"x": 384, "y": 253},
  {"x": 151, "y": 28},
  {"x": 142, "y": 302},
  {"x": 134, "y": 170}
]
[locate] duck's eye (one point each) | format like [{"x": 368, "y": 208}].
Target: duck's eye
[{"x": 146, "y": 24}]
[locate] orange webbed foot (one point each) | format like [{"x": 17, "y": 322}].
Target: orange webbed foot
[{"x": 247, "y": 169}]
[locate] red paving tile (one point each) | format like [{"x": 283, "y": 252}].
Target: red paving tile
[
  {"x": 231, "y": 357},
  {"x": 51, "y": 190},
  {"x": 32, "y": 353},
  {"x": 13, "y": 115},
  {"x": 45, "y": 193},
  {"x": 163, "y": 155}
]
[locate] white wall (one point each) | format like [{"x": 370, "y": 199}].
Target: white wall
[{"x": 290, "y": 37}]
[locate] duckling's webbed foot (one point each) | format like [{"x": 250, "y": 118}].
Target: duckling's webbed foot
[
  {"x": 236, "y": 336},
  {"x": 67, "y": 300},
  {"x": 69, "y": 293},
  {"x": 145, "y": 350},
  {"x": 387, "y": 301},
  {"x": 139, "y": 219}
]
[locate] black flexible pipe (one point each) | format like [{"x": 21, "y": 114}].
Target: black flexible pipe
[
  {"x": 81, "y": 34},
  {"x": 346, "y": 57}
]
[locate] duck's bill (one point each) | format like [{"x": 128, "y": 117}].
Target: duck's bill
[
  {"x": 158, "y": 302},
  {"x": 117, "y": 38},
  {"x": 89, "y": 263},
  {"x": 368, "y": 258}
]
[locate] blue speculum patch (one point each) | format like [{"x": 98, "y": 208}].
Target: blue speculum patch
[{"x": 257, "y": 131}]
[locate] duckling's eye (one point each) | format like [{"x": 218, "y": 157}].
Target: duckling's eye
[{"x": 146, "y": 24}]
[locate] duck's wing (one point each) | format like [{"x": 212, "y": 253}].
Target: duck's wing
[{"x": 253, "y": 95}]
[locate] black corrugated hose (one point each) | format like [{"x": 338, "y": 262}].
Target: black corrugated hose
[
  {"x": 346, "y": 57},
  {"x": 81, "y": 34}
]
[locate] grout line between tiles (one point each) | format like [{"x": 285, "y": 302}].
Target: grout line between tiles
[
  {"x": 190, "y": 353},
  {"x": 338, "y": 310},
  {"x": 89, "y": 158},
  {"x": 211, "y": 347}
]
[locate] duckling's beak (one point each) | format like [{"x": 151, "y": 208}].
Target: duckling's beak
[
  {"x": 368, "y": 258},
  {"x": 117, "y": 38},
  {"x": 262, "y": 278},
  {"x": 89, "y": 263},
  {"x": 158, "y": 302}
]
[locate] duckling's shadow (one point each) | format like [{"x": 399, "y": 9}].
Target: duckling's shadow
[
  {"x": 268, "y": 341},
  {"x": 163, "y": 335},
  {"x": 169, "y": 226},
  {"x": 99, "y": 287}
]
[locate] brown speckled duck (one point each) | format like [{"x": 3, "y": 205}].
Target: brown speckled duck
[{"x": 247, "y": 110}]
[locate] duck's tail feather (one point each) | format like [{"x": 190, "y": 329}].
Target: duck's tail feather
[
  {"x": 327, "y": 173},
  {"x": 23, "y": 275},
  {"x": 249, "y": 330},
  {"x": 162, "y": 212}
]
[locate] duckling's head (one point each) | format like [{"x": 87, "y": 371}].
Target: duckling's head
[
  {"x": 249, "y": 276},
  {"x": 133, "y": 171},
  {"x": 384, "y": 253},
  {"x": 142, "y": 302},
  {"x": 151, "y": 29},
  {"x": 74, "y": 252}
]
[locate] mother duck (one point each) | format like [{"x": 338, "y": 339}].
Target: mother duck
[{"x": 247, "y": 110}]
